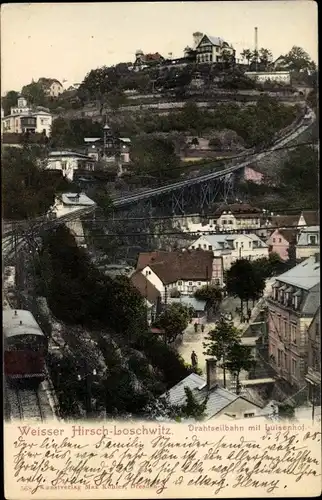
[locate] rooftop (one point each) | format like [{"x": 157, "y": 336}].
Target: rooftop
[
  {"x": 145, "y": 287},
  {"x": 305, "y": 275},
  {"x": 173, "y": 266},
  {"x": 76, "y": 199},
  {"x": 311, "y": 217},
  {"x": 219, "y": 398},
  {"x": 11, "y": 323}
]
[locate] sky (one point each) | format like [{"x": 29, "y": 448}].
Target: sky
[{"x": 66, "y": 40}]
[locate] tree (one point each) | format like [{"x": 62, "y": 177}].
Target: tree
[
  {"x": 35, "y": 94},
  {"x": 116, "y": 99},
  {"x": 98, "y": 83},
  {"x": 286, "y": 411},
  {"x": 71, "y": 133},
  {"x": 298, "y": 60},
  {"x": 265, "y": 57},
  {"x": 246, "y": 54},
  {"x": 193, "y": 409},
  {"x": 8, "y": 101},
  {"x": 244, "y": 282},
  {"x": 239, "y": 357},
  {"x": 211, "y": 294},
  {"x": 28, "y": 189},
  {"x": 298, "y": 177},
  {"x": 155, "y": 156},
  {"x": 219, "y": 341},
  {"x": 174, "y": 320}
]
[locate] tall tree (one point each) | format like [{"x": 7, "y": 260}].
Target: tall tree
[
  {"x": 35, "y": 94},
  {"x": 298, "y": 60},
  {"x": 174, "y": 320},
  {"x": 219, "y": 340},
  {"x": 244, "y": 282},
  {"x": 265, "y": 57},
  {"x": 239, "y": 357},
  {"x": 246, "y": 54},
  {"x": 9, "y": 101},
  {"x": 155, "y": 156}
]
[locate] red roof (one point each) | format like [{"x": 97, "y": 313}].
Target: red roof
[
  {"x": 238, "y": 209},
  {"x": 173, "y": 266},
  {"x": 311, "y": 217}
]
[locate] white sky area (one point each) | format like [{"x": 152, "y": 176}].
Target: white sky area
[{"x": 65, "y": 41}]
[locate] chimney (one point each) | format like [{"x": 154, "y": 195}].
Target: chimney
[{"x": 211, "y": 373}]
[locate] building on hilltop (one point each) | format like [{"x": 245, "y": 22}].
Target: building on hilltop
[
  {"x": 238, "y": 216},
  {"x": 27, "y": 119},
  {"x": 211, "y": 49},
  {"x": 184, "y": 271},
  {"x": 292, "y": 305},
  {"x": 231, "y": 247},
  {"x": 69, "y": 161},
  {"x": 51, "y": 86},
  {"x": 143, "y": 61},
  {"x": 270, "y": 76}
]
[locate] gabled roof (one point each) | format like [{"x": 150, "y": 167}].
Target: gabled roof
[
  {"x": 219, "y": 398},
  {"x": 145, "y": 287},
  {"x": 288, "y": 234},
  {"x": 311, "y": 217},
  {"x": 173, "y": 266},
  {"x": 281, "y": 221},
  {"x": 47, "y": 82},
  {"x": 214, "y": 40}
]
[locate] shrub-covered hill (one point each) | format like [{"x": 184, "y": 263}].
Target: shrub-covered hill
[{"x": 102, "y": 357}]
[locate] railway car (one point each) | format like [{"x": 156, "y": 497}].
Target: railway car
[{"x": 25, "y": 346}]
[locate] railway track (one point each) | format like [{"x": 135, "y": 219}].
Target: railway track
[{"x": 25, "y": 404}]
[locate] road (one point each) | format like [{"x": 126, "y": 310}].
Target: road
[{"x": 194, "y": 341}]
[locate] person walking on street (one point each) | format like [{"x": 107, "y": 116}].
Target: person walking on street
[
  {"x": 202, "y": 327},
  {"x": 196, "y": 327},
  {"x": 249, "y": 313},
  {"x": 194, "y": 359}
]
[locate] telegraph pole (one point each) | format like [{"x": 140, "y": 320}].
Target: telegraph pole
[{"x": 256, "y": 48}]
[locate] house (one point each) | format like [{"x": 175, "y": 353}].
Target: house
[
  {"x": 270, "y": 76},
  {"x": 231, "y": 247},
  {"x": 292, "y": 304},
  {"x": 308, "y": 242},
  {"x": 143, "y": 61},
  {"x": 150, "y": 293},
  {"x": 68, "y": 162},
  {"x": 66, "y": 204},
  {"x": 281, "y": 241},
  {"x": 305, "y": 218},
  {"x": 313, "y": 376},
  {"x": 238, "y": 216},
  {"x": 26, "y": 119},
  {"x": 211, "y": 49},
  {"x": 184, "y": 271},
  {"x": 109, "y": 148},
  {"x": 51, "y": 86},
  {"x": 222, "y": 403}
]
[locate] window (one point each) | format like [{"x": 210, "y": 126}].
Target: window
[
  {"x": 249, "y": 415},
  {"x": 205, "y": 247},
  {"x": 280, "y": 240},
  {"x": 273, "y": 240},
  {"x": 179, "y": 283},
  {"x": 224, "y": 221},
  {"x": 250, "y": 244},
  {"x": 294, "y": 366},
  {"x": 293, "y": 334},
  {"x": 285, "y": 360},
  {"x": 285, "y": 328},
  {"x": 190, "y": 282},
  {"x": 199, "y": 246},
  {"x": 230, "y": 222},
  {"x": 279, "y": 357},
  {"x": 210, "y": 247},
  {"x": 312, "y": 240},
  {"x": 242, "y": 244},
  {"x": 193, "y": 247}
]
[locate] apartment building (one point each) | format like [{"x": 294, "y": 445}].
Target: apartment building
[{"x": 292, "y": 305}]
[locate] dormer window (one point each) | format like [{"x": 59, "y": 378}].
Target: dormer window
[{"x": 312, "y": 239}]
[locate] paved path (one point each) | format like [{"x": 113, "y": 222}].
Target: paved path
[{"x": 194, "y": 340}]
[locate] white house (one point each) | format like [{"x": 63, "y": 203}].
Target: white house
[
  {"x": 51, "y": 86},
  {"x": 24, "y": 118},
  {"x": 183, "y": 271},
  {"x": 212, "y": 49},
  {"x": 231, "y": 247},
  {"x": 67, "y": 203},
  {"x": 238, "y": 216},
  {"x": 308, "y": 242},
  {"x": 68, "y": 162}
]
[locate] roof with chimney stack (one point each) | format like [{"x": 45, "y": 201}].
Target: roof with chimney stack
[{"x": 219, "y": 398}]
